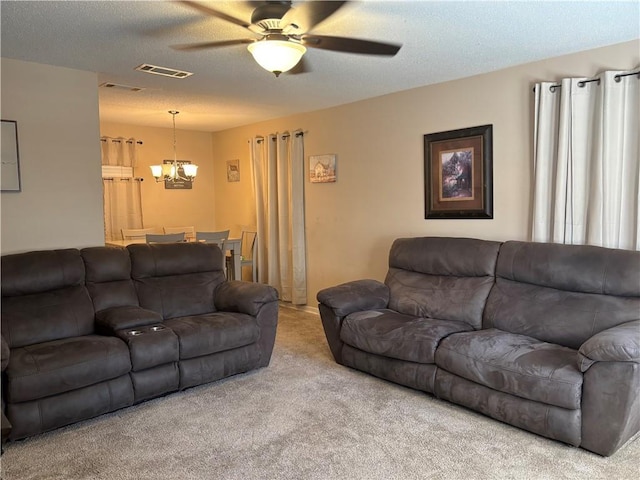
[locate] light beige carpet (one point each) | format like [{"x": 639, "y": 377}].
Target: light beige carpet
[{"x": 303, "y": 417}]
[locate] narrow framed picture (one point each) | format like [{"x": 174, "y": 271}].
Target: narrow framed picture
[
  {"x": 458, "y": 171},
  {"x": 10, "y": 158},
  {"x": 322, "y": 168},
  {"x": 233, "y": 170}
]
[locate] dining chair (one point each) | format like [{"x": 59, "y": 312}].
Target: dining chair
[
  {"x": 248, "y": 247},
  {"x": 169, "y": 238},
  {"x": 213, "y": 237},
  {"x": 136, "y": 233},
  {"x": 190, "y": 232}
]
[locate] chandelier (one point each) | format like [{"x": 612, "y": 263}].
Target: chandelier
[{"x": 174, "y": 172}]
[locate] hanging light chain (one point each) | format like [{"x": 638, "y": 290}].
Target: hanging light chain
[{"x": 175, "y": 154}]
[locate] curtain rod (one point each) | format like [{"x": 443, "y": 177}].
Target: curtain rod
[
  {"x": 139, "y": 142},
  {"x": 620, "y": 75},
  {"x": 274, "y": 138},
  {"x": 287, "y": 135},
  {"x": 582, "y": 83},
  {"x": 137, "y": 179}
]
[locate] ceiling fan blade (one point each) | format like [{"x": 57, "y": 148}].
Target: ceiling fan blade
[
  {"x": 215, "y": 13},
  {"x": 306, "y": 15},
  {"x": 350, "y": 45},
  {"x": 204, "y": 45}
]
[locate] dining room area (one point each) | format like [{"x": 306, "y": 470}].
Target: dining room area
[
  {"x": 176, "y": 207},
  {"x": 173, "y": 180},
  {"x": 239, "y": 252}
]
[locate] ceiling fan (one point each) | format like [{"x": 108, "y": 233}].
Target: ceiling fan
[{"x": 283, "y": 33}]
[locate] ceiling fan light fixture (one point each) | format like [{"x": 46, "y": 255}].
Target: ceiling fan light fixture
[{"x": 276, "y": 56}]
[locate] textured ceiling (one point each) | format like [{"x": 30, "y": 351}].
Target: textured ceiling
[{"x": 441, "y": 41}]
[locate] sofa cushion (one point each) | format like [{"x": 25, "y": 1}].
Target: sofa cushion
[
  {"x": 441, "y": 277},
  {"x": 108, "y": 277},
  {"x": 445, "y": 256},
  {"x": 47, "y": 316},
  {"x": 44, "y": 297},
  {"x": 555, "y": 316},
  {"x": 514, "y": 364},
  {"x": 176, "y": 279},
  {"x": 211, "y": 333},
  {"x": 49, "y": 368},
  {"x": 563, "y": 294},
  {"x": 179, "y": 295},
  {"x": 163, "y": 259},
  {"x": 41, "y": 271},
  {"x": 576, "y": 268},
  {"x": 395, "y": 335}
]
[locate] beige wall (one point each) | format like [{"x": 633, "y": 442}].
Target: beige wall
[
  {"x": 378, "y": 197},
  {"x": 162, "y": 207},
  {"x": 379, "y": 194},
  {"x": 61, "y": 202}
]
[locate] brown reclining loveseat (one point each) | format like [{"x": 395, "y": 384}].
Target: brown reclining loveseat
[
  {"x": 544, "y": 337},
  {"x": 85, "y": 332}
]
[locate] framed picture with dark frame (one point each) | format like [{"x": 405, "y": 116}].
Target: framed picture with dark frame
[
  {"x": 458, "y": 173},
  {"x": 10, "y": 158}
]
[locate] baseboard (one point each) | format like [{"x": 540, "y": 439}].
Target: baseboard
[{"x": 304, "y": 308}]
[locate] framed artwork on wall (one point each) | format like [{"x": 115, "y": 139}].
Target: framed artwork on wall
[
  {"x": 10, "y": 158},
  {"x": 233, "y": 170},
  {"x": 322, "y": 168},
  {"x": 458, "y": 172}
]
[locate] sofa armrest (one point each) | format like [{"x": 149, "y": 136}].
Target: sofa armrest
[
  {"x": 5, "y": 353},
  {"x": 243, "y": 297},
  {"x": 355, "y": 296},
  {"x": 6, "y": 425},
  {"x": 109, "y": 320},
  {"x": 616, "y": 344}
]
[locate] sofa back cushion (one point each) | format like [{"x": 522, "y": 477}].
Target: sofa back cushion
[
  {"x": 441, "y": 277},
  {"x": 563, "y": 294},
  {"x": 44, "y": 297},
  {"x": 108, "y": 277},
  {"x": 176, "y": 279}
]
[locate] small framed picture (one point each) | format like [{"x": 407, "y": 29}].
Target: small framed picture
[
  {"x": 458, "y": 173},
  {"x": 233, "y": 170},
  {"x": 10, "y": 173},
  {"x": 322, "y": 168}
]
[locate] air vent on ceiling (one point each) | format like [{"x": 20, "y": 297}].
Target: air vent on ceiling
[
  {"x": 167, "y": 72},
  {"x": 119, "y": 86}
]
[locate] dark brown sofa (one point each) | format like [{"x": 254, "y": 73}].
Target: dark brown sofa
[
  {"x": 90, "y": 331},
  {"x": 544, "y": 337}
]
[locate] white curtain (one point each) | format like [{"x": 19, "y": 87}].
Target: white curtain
[
  {"x": 587, "y": 161},
  {"x": 122, "y": 206},
  {"x": 278, "y": 173},
  {"x": 122, "y": 198},
  {"x": 119, "y": 151}
]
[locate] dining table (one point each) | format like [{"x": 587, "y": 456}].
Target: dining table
[{"x": 231, "y": 245}]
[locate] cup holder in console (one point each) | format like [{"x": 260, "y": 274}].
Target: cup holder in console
[
  {"x": 157, "y": 328},
  {"x": 134, "y": 333}
]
